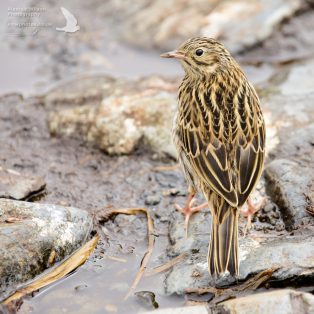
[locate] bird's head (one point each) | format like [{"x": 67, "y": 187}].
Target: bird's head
[{"x": 201, "y": 56}]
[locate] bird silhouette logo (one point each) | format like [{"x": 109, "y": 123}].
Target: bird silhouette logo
[{"x": 71, "y": 22}]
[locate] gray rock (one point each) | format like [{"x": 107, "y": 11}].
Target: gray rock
[
  {"x": 268, "y": 208},
  {"x": 137, "y": 113},
  {"x": 238, "y": 23},
  {"x": 31, "y": 233},
  {"x": 146, "y": 25},
  {"x": 80, "y": 91},
  {"x": 293, "y": 40},
  {"x": 147, "y": 298},
  {"x": 196, "y": 309},
  {"x": 280, "y": 301},
  {"x": 300, "y": 79},
  {"x": 242, "y": 24},
  {"x": 291, "y": 187},
  {"x": 192, "y": 270},
  {"x": 288, "y": 117},
  {"x": 3, "y": 309},
  {"x": 297, "y": 146},
  {"x": 293, "y": 255},
  {"x": 17, "y": 186},
  {"x": 152, "y": 200}
]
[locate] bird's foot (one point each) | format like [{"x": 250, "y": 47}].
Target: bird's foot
[
  {"x": 188, "y": 211},
  {"x": 250, "y": 211}
]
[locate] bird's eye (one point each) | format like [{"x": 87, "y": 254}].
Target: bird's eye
[{"x": 199, "y": 52}]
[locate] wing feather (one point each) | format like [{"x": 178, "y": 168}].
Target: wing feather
[{"x": 230, "y": 167}]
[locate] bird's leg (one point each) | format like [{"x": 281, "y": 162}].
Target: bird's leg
[
  {"x": 188, "y": 210},
  {"x": 250, "y": 211}
]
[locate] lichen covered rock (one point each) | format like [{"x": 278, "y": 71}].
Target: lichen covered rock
[{"x": 35, "y": 236}]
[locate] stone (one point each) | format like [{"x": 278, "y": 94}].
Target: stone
[
  {"x": 300, "y": 80},
  {"x": 285, "y": 301},
  {"x": 291, "y": 187},
  {"x": 152, "y": 200},
  {"x": 292, "y": 41},
  {"x": 241, "y": 24},
  {"x": 297, "y": 145},
  {"x": 17, "y": 186},
  {"x": 139, "y": 115},
  {"x": 288, "y": 117},
  {"x": 293, "y": 255},
  {"x": 238, "y": 24},
  {"x": 147, "y": 298},
  {"x": 80, "y": 91},
  {"x": 147, "y": 25},
  {"x": 196, "y": 309},
  {"x": 30, "y": 233},
  {"x": 268, "y": 208}
]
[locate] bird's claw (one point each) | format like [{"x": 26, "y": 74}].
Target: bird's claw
[{"x": 188, "y": 211}]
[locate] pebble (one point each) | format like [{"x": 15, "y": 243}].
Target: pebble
[{"x": 152, "y": 200}]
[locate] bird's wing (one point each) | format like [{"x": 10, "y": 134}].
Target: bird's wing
[
  {"x": 205, "y": 154},
  {"x": 229, "y": 169},
  {"x": 70, "y": 18},
  {"x": 251, "y": 145}
]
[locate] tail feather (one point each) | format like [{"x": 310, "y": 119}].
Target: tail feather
[{"x": 223, "y": 248}]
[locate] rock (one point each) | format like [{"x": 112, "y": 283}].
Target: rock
[
  {"x": 300, "y": 80},
  {"x": 141, "y": 117},
  {"x": 152, "y": 200},
  {"x": 30, "y": 233},
  {"x": 196, "y": 309},
  {"x": 147, "y": 298},
  {"x": 294, "y": 255},
  {"x": 268, "y": 208},
  {"x": 284, "y": 116},
  {"x": 281, "y": 301},
  {"x": 297, "y": 146},
  {"x": 238, "y": 23},
  {"x": 146, "y": 25},
  {"x": 17, "y": 186},
  {"x": 290, "y": 179},
  {"x": 241, "y": 24},
  {"x": 194, "y": 268},
  {"x": 293, "y": 40},
  {"x": 291, "y": 187},
  {"x": 270, "y": 214},
  {"x": 84, "y": 90},
  {"x": 285, "y": 301}
]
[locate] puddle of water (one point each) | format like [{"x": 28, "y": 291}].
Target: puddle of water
[{"x": 100, "y": 285}]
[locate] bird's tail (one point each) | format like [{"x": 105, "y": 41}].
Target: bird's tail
[{"x": 223, "y": 247}]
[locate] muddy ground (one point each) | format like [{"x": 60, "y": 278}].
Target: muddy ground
[
  {"x": 76, "y": 174},
  {"x": 79, "y": 174}
]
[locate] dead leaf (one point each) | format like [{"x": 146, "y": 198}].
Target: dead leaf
[
  {"x": 58, "y": 272},
  {"x": 235, "y": 291},
  {"x": 11, "y": 220},
  {"x": 166, "y": 266}
]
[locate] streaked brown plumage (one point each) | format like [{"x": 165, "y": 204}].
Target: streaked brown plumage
[{"x": 219, "y": 133}]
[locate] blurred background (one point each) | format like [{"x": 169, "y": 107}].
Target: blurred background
[
  {"x": 85, "y": 121},
  {"x": 124, "y": 38}
]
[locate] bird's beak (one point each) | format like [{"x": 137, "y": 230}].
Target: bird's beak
[{"x": 173, "y": 54}]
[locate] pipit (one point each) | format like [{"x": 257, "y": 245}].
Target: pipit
[{"x": 219, "y": 134}]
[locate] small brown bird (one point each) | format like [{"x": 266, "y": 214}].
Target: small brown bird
[{"x": 219, "y": 133}]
